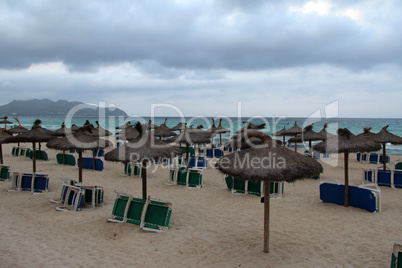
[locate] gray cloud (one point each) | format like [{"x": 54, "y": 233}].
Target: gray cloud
[{"x": 252, "y": 36}]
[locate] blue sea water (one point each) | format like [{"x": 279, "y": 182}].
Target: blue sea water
[{"x": 273, "y": 124}]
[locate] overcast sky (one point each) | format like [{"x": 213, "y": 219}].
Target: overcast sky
[{"x": 205, "y": 57}]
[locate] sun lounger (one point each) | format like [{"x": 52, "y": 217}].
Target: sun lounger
[
  {"x": 366, "y": 196},
  {"x": 384, "y": 177},
  {"x": 381, "y": 159},
  {"x": 191, "y": 177},
  {"x": 69, "y": 159},
  {"x": 4, "y": 173},
  {"x": 254, "y": 187},
  {"x": 151, "y": 214},
  {"x": 197, "y": 162},
  {"x": 369, "y": 175},
  {"x": 93, "y": 195},
  {"x": 373, "y": 158},
  {"x": 87, "y": 163},
  {"x": 73, "y": 199},
  {"x": 33, "y": 182},
  {"x": 396, "y": 260},
  {"x": 397, "y": 174}
]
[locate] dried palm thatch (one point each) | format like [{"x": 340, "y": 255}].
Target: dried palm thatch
[
  {"x": 308, "y": 135},
  {"x": 100, "y": 131},
  {"x": 346, "y": 143},
  {"x": 293, "y": 131},
  {"x": 250, "y": 125},
  {"x": 366, "y": 132},
  {"x": 269, "y": 163},
  {"x": 179, "y": 127},
  {"x": 143, "y": 149},
  {"x": 18, "y": 129},
  {"x": 325, "y": 134},
  {"x": 383, "y": 137},
  {"x": 163, "y": 132}
]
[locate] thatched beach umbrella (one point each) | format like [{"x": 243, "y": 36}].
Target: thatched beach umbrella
[
  {"x": 18, "y": 129},
  {"x": 5, "y": 121},
  {"x": 250, "y": 125},
  {"x": 163, "y": 132},
  {"x": 346, "y": 143},
  {"x": 100, "y": 131},
  {"x": 141, "y": 150},
  {"x": 61, "y": 132},
  {"x": 294, "y": 131},
  {"x": 366, "y": 132},
  {"x": 80, "y": 140},
  {"x": 3, "y": 135},
  {"x": 34, "y": 135},
  {"x": 268, "y": 163},
  {"x": 308, "y": 135},
  {"x": 220, "y": 130},
  {"x": 129, "y": 133},
  {"x": 179, "y": 127},
  {"x": 282, "y": 133},
  {"x": 126, "y": 125},
  {"x": 383, "y": 137},
  {"x": 191, "y": 136},
  {"x": 324, "y": 133}
]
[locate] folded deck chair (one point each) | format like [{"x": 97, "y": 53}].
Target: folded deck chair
[
  {"x": 255, "y": 188},
  {"x": 367, "y": 196},
  {"x": 4, "y": 173},
  {"x": 397, "y": 178},
  {"x": 69, "y": 159},
  {"x": 369, "y": 175},
  {"x": 381, "y": 159},
  {"x": 87, "y": 163},
  {"x": 127, "y": 169},
  {"x": 93, "y": 195},
  {"x": 63, "y": 194},
  {"x": 396, "y": 260},
  {"x": 156, "y": 215},
  {"x": 373, "y": 158},
  {"x": 40, "y": 183},
  {"x": 384, "y": 177},
  {"x": 15, "y": 182},
  {"x": 73, "y": 199},
  {"x": 218, "y": 153},
  {"x": 194, "y": 178},
  {"x": 152, "y": 214}
]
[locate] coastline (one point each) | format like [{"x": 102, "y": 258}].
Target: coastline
[{"x": 209, "y": 227}]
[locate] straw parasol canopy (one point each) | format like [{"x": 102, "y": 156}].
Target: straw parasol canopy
[
  {"x": 308, "y": 135},
  {"x": 220, "y": 130},
  {"x": 34, "y": 135},
  {"x": 126, "y": 125},
  {"x": 250, "y": 125},
  {"x": 383, "y": 137},
  {"x": 268, "y": 163},
  {"x": 179, "y": 127},
  {"x": 366, "y": 132},
  {"x": 80, "y": 140},
  {"x": 346, "y": 143},
  {"x": 18, "y": 129},
  {"x": 3, "y": 135},
  {"x": 250, "y": 138},
  {"x": 294, "y": 131},
  {"x": 144, "y": 148},
  {"x": 191, "y": 136},
  {"x": 5, "y": 121},
  {"x": 62, "y": 131},
  {"x": 100, "y": 131},
  {"x": 163, "y": 132},
  {"x": 325, "y": 134},
  {"x": 282, "y": 133},
  {"x": 129, "y": 133}
]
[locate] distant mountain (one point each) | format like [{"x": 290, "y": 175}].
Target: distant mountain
[{"x": 46, "y": 107}]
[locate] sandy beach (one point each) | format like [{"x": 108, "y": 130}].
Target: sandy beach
[{"x": 210, "y": 227}]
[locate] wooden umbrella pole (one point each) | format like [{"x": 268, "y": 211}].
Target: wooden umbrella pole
[
  {"x": 283, "y": 144},
  {"x": 80, "y": 165},
  {"x": 1, "y": 154},
  {"x": 64, "y": 157},
  {"x": 34, "y": 157},
  {"x": 346, "y": 179},
  {"x": 384, "y": 158},
  {"x": 144, "y": 179},
  {"x": 266, "y": 216},
  {"x": 187, "y": 155},
  {"x": 309, "y": 149}
]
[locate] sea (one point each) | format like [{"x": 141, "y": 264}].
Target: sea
[{"x": 272, "y": 124}]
